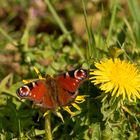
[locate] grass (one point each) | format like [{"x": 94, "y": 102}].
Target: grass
[{"x": 45, "y": 35}]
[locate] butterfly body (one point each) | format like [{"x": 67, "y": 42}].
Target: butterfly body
[{"x": 52, "y": 92}]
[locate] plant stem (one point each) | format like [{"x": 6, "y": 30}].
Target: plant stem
[{"x": 48, "y": 127}]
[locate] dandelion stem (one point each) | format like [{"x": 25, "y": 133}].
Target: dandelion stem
[{"x": 48, "y": 127}]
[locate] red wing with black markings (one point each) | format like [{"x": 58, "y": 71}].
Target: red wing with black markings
[{"x": 53, "y": 92}]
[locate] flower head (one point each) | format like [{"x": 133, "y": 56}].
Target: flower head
[{"x": 119, "y": 78}]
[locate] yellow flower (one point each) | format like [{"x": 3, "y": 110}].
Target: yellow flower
[{"x": 119, "y": 78}]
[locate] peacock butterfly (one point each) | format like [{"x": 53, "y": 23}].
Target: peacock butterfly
[{"x": 52, "y": 92}]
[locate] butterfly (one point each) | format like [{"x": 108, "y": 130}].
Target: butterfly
[{"x": 53, "y": 92}]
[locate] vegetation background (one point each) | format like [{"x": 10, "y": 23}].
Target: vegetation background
[{"x": 57, "y": 36}]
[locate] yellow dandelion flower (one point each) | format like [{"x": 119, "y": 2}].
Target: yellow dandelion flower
[{"x": 117, "y": 77}]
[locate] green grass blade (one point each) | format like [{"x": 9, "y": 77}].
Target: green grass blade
[
  {"x": 91, "y": 51},
  {"x": 112, "y": 23},
  {"x": 135, "y": 10},
  {"x": 8, "y": 37}
]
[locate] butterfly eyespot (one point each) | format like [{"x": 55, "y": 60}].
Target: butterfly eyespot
[
  {"x": 23, "y": 91},
  {"x": 80, "y": 74}
]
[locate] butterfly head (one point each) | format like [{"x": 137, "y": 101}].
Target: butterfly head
[{"x": 80, "y": 74}]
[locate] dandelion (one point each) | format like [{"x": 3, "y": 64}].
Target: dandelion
[{"x": 117, "y": 77}]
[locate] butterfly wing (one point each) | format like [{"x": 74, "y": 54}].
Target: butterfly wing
[
  {"x": 39, "y": 92},
  {"x": 53, "y": 92},
  {"x": 68, "y": 84}
]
